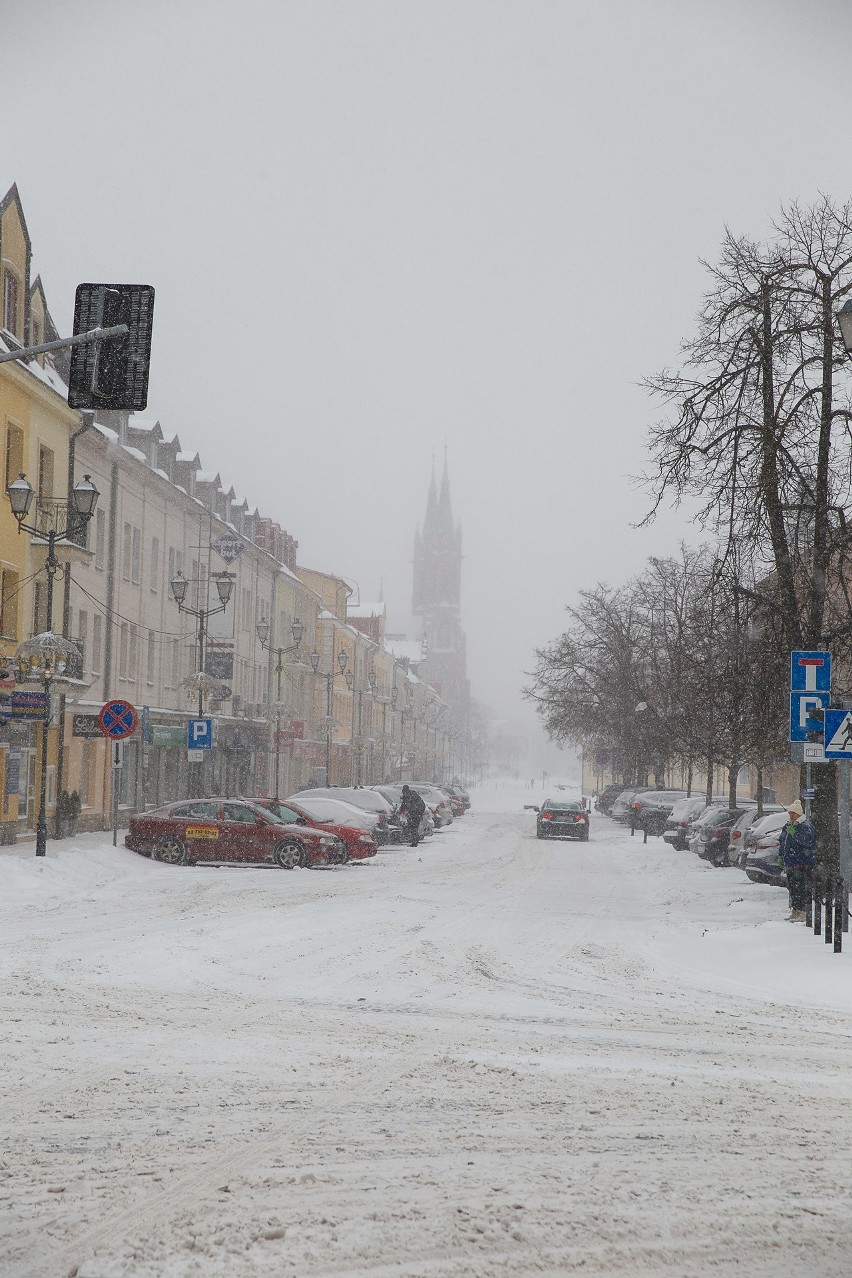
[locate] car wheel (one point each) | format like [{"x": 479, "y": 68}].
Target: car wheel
[
  {"x": 341, "y": 857},
  {"x": 584, "y": 837},
  {"x": 170, "y": 850},
  {"x": 289, "y": 854},
  {"x": 539, "y": 834}
]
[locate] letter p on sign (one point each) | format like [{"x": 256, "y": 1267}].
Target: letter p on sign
[{"x": 199, "y": 734}]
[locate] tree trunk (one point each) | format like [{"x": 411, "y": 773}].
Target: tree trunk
[
  {"x": 709, "y": 794},
  {"x": 733, "y": 773},
  {"x": 759, "y": 795}
]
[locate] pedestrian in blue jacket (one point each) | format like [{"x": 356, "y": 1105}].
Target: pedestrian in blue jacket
[{"x": 797, "y": 853}]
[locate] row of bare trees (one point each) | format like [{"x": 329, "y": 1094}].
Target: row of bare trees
[
  {"x": 757, "y": 425},
  {"x": 681, "y": 666}
]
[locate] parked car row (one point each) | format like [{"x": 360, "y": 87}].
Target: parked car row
[
  {"x": 323, "y": 826},
  {"x": 716, "y": 832}
]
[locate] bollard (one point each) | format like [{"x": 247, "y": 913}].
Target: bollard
[
  {"x": 845, "y": 906},
  {"x": 632, "y": 824},
  {"x": 645, "y": 831},
  {"x": 829, "y": 911},
  {"x": 839, "y": 889},
  {"x": 809, "y": 908},
  {"x": 817, "y": 907}
]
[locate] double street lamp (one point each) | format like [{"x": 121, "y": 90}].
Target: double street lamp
[
  {"x": 47, "y": 655},
  {"x": 329, "y": 679},
  {"x": 204, "y": 684},
  {"x": 297, "y": 630}
]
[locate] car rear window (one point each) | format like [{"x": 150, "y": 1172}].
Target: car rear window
[{"x": 551, "y": 806}]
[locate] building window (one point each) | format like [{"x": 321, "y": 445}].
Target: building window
[
  {"x": 8, "y": 603},
  {"x": 155, "y": 564},
  {"x": 100, "y": 539},
  {"x": 45, "y": 473},
  {"x": 39, "y": 608},
  {"x": 123, "y": 650},
  {"x": 10, "y": 302},
  {"x": 136, "y": 557},
  {"x": 126, "y": 548},
  {"x": 14, "y": 453},
  {"x": 133, "y": 654},
  {"x": 97, "y": 625},
  {"x": 176, "y": 663},
  {"x": 152, "y": 656},
  {"x": 82, "y": 637}
]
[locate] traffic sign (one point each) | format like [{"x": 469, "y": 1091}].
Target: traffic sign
[
  {"x": 118, "y": 720},
  {"x": 801, "y": 704},
  {"x": 810, "y": 671},
  {"x": 199, "y": 734},
  {"x": 838, "y": 734}
]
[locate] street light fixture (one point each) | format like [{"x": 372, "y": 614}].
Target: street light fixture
[
  {"x": 342, "y": 659},
  {"x": 297, "y": 630},
  {"x": 52, "y": 651},
  {"x": 844, "y": 323},
  {"x": 224, "y": 587}
]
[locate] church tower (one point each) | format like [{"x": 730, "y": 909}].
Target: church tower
[{"x": 437, "y": 593}]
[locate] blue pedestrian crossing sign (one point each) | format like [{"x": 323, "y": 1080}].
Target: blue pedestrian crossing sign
[
  {"x": 838, "y": 734},
  {"x": 810, "y": 671},
  {"x": 199, "y": 734}
]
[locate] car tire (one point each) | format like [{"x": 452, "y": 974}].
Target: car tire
[
  {"x": 342, "y": 857},
  {"x": 290, "y": 854},
  {"x": 539, "y": 834},
  {"x": 171, "y": 851},
  {"x": 584, "y": 837}
]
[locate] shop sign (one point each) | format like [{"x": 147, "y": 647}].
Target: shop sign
[
  {"x": 219, "y": 664},
  {"x": 167, "y": 734},
  {"x": 228, "y": 547},
  {"x": 27, "y": 705},
  {"x": 86, "y": 725}
]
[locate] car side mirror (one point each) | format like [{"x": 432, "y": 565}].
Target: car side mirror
[{"x": 531, "y": 807}]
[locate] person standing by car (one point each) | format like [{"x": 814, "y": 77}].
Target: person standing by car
[
  {"x": 797, "y": 852},
  {"x": 412, "y": 808}
]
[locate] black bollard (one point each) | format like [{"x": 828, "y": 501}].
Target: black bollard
[
  {"x": 845, "y": 906},
  {"x": 809, "y": 908},
  {"x": 839, "y": 889},
  {"x": 645, "y": 832},
  {"x": 817, "y": 906},
  {"x": 829, "y": 911}
]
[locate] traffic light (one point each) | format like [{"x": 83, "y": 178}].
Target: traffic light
[{"x": 112, "y": 374}]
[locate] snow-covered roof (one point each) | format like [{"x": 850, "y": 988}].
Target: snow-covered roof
[
  {"x": 405, "y": 649},
  {"x": 207, "y": 477},
  {"x": 366, "y": 610},
  {"x": 188, "y": 457},
  {"x": 134, "y": 452}
]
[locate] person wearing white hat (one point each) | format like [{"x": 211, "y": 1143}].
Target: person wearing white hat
[{"x": 797, "y": 853}]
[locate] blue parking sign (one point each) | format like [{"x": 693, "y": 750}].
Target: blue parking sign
[
  {"x": 801, "y": 704},
  {"x": 199, "y": 734}
]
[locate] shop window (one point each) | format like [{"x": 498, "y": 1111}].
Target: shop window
[
  {"x": 14, "y": 453},
  {"x": 9, "y": 603}
]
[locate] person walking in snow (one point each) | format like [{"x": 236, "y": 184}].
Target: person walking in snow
[
  {"x": 797, "y": 853},
  {"x": 412, "y": 808}
]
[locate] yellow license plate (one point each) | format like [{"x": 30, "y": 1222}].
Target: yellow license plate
[{"x": 202, "y": 832}]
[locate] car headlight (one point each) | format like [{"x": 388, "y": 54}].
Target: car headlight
[{"x": 364, "y": 838}]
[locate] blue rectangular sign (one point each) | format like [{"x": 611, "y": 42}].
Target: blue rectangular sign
[
  {"x": 199, "y": 734},
  {"x": 810, "y": 671},
  {"x": 838, "y": 734},
  {"x": 800, "y": 721}
]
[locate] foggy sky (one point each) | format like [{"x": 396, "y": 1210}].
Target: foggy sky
[{"x": 376, "y": 229}]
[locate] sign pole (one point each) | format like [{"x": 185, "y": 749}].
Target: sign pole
[
  {"x": 808, "y": 790},
  {"x": 117, "y": 759},
  {"x": 844, "y": 766}
]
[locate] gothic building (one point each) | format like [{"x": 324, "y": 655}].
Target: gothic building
[{"x": 437, "y": 595}]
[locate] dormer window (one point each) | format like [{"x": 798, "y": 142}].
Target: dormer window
[{"x": 10, "y": 302}]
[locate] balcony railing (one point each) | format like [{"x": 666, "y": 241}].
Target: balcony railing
[{"x": 52, "y": 515}]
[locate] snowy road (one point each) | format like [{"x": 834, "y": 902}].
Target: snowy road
[{"x": 490, "y": 1056}]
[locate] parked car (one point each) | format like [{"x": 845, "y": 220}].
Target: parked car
[
  {"x": 561, "y": 818},
  {"x": 620, "y": 810},
  {"x": 322, "y": 808},
  {"x": 608, "y": 796},
  {"x": 398, "y": 824},
  {"x": 229, "y": 831},
  {"x": 737, "y": 842},
  {"x": 651, "y": 809},
  {"x": 455, "y": 801},
  {"x": 359, "y": 843},
  {"x": 708, "y": 813},
  {"x": 358, "y": 796},
  {"x": 461, "y": 793},
  {"x": 714, "y": 834},
  {"x": 761, "y": 862},
  {"x": 677, "y": 826},
  {"x": 438, "y": 803},
  {"x": 761, "y": 851}
]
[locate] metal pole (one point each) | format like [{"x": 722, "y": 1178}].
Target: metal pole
[
  {"x": 843, "y": 768},
  {"x": 328, "y": 679},
  {"x": 808, "y": 791},
  {"x": 278, "y": 670},
  {"x": 41, "y": 826},
  {"x": 79, "y": 339}
]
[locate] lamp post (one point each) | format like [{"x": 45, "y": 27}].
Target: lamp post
[
  {"x": 49, "y": 652},
  {"x": 297, "y": 630},
  {"x": 224, "y": 587},
  {"x": 329, "y": 679}
]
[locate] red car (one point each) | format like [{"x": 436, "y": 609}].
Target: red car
[
  {"x": 359, "y": 843},
  {"x": 229, "y": 831}
]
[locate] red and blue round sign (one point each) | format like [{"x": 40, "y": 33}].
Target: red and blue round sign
[{"x": 118, "y": 719}]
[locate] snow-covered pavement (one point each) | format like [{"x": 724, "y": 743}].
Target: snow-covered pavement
[{"x": 489, "y": 1056}]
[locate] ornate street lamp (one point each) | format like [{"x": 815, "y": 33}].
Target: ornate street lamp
[
  {"x": 342, "y": 659},
  {"x": 68, "y": 518},
  {"x": 224, "y": 588},
  {"x": 297, "y": 630}
]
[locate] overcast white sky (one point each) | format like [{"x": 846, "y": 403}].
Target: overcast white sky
[{"x": 378, "y": 228}]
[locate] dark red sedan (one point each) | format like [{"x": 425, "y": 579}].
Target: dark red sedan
[
  {"x": 359, "y": 843},
  {"x": 229, "y": 831}
]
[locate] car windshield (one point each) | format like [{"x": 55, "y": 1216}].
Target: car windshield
[
  {"x": 560, "y": 805},
  {"x": 685, "y": 808}
]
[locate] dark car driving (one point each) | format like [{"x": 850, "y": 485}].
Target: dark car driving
[{"x": 562, "y": 818}]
